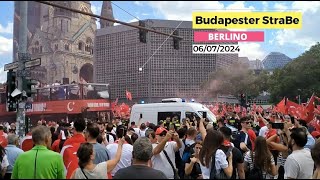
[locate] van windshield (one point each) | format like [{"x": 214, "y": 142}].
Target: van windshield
[{"x": 210, "y": 115}]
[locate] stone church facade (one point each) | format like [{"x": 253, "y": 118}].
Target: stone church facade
[{"x": 62, "y": 39}]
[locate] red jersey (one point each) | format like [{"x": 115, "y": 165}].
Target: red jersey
[{"x": 77, "y": 138}]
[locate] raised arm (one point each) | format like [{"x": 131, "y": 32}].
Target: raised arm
[{"x": 111, "y": 164}]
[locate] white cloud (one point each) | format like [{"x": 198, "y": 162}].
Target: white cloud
[
  {"x": 8, "y": 29},
  {"x": 309, "y": 34},
  {"x": 145, "y": 14},
  {"x": 138, "y": 3},
  {"x": 97, "y": 11},
  {"x": 168, "y": 9},
  {"x": 180, "y": 10},
  {"x": 265, "y": 5},
  {"x": 3, "y": 75},
  {"x": 134, "y": 20},
  {"x": 6, "y": 45},
  {"x": 251, "y": 50},
  {"x": 280, "y": 6},
  {"x": 239, "y": 6}
]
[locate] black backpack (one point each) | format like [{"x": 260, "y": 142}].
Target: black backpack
[
  {"x": 186, "y": 155},
  {"x": 256, "y": 172}
]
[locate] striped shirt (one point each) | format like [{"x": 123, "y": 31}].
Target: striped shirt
[{"x": 248, "y": 160}]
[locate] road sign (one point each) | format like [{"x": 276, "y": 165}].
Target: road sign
[
  {"x": 24, "y": 73},
  {"x": 11, "y": 66},
  {"x": 32, "y": 63}
]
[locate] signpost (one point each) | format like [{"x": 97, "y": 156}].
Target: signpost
[
  {"x": 27, "y": 64},
  {"x": 11, "y": 66},
  {"x": 32, "y": 63}
]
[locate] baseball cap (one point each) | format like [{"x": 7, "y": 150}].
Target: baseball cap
[
  {"x": 160, "y": 130},
  {"x": 315, "y": 134}
]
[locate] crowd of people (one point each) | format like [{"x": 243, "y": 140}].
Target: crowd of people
[{"x": 263, "y": 145}]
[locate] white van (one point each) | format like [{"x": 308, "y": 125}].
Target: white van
[{"x": 154, "y": 112}]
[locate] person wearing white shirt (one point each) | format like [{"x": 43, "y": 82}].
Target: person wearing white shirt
[
  {"x": 212, "y": 141},
  {"x": 299, "y": 164},
  {"x": 159, "y": 159},
  {"x": 126, "y": 155}
]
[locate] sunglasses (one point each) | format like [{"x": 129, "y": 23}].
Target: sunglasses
[
  {"x": 198, "y": 147},
  {"x": 248, "y": 122}
]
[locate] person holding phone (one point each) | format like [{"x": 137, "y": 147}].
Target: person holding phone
[
  {"x": 127, "y": 148},
  {"x": 192, "y": 167}
]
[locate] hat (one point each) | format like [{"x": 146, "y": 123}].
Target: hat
[
  {"x": 160, "y": 130},
  {"x": 315, "y": 134}
]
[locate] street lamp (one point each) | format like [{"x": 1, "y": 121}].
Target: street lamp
[{"x": 299, "y": 97}]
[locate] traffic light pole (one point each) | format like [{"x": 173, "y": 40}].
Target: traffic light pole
[{"x": 23, "y": 38}]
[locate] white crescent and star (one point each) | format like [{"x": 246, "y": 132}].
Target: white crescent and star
[{"x": 68, "y": 106}]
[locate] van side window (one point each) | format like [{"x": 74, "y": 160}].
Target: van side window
[
  {"x": 164, "y": 115},
  {"x": 191, "y": 115}
]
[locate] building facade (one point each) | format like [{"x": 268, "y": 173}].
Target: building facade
[
  {"x": 275, "y": 60},
  {"x": 127, "y": 64},
  {"x": 62, "y": 39}
]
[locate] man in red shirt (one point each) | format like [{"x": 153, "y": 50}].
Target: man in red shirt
[
  {"x": 71, "y": 146},
  {"x": 78, "y": 135},
  {"x": 3, "y": 137}
]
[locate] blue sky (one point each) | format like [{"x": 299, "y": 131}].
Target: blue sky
[{"x": 289, "y": 42}]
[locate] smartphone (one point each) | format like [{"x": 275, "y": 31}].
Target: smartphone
[
  {"x": 140, "y": 115},
  {"x": 122, "y": 129},
  {"x": 229, "y": 151},
  {"x": 277, "y": 125},
  {"x": 204, "y": 115}
]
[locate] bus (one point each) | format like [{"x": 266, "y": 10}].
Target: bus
[{"x": 64, "y": 102}]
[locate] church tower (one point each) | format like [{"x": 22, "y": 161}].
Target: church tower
[
  {"x": 64, "y": 42},
  {"x": 107, "y": 12}
]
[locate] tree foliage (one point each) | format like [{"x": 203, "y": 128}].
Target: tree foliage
[
  {"x": 299, "y": 77},
  {"x": 236, "y": 79}
]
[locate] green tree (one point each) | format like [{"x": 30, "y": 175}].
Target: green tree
[
  {"x": 236, "y": 79},
  {"x": 299, "y": 77}
]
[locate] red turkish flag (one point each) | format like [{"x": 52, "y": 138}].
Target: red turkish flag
[
  {"x": 281, "y": 106},
  {"x": 128, "y": 95},
  {"x": 310, "y": 109}
]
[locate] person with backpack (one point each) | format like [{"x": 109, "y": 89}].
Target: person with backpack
[
  {"x": 213, "y": 161},
  {"x": 237, "y": 157},
  {"x": 110, "y": 136},
  {"x": 259, "y": 163},
  {"x": 242, "y": 140},
  {"x": 186, "y": 151}
]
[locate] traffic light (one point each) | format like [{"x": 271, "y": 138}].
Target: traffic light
[
  {"x": 176, "y": 41},
  {"x": 11, "y": 81},
  {"x": 142, "y": 33},
  {"x": 27, "y": 86},
  {"x": 11, "y": 86}
]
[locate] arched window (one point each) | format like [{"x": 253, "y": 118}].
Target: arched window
[
  {"x": 56, "y": 47},
  {"x": 66, "y": 47},
  {"x": 80, "y": 46},
  {"x": 88, "y": 47},
  {"x": 40, "y": 49}
]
